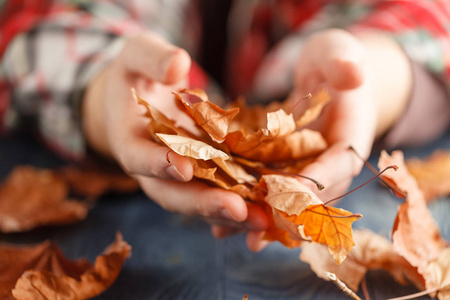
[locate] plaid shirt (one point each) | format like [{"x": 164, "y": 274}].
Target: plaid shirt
[{"x": 50, "y": 49}]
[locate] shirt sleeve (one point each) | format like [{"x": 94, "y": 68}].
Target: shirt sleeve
[{"x": 51, "y": 49}]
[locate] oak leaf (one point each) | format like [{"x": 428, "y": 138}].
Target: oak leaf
[
  {"x": 31, "y": 197},
  {"x": 432, "y": 174},
  {"x": 63, "y": 279},
  {"x": 415, "y": 234}
]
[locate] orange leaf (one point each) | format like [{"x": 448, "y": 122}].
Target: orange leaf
[
  {"x": 95, "y": 182},
  {"x": 69, "y": 280},
  {"x": 432, "y": 174},
  {"x": 28, "y": 190},
  {"x": 330, "y": 226}
]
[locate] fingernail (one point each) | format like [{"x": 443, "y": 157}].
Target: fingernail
[
  {"x": 226, "y": 214},
  {"x": 173, "y": 172}
]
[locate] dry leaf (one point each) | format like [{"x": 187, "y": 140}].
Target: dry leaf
[
  {"x": 437, "y": 275},
  {"x": 432, "y": 174},
  {"x": 32, "y": 197},
  {"x": 371, "y": 251},
  {"x": 247, "y": 147},
  {"x": 59, "y": 278},
  {"x": 190, "y": 147},
  {"x": 96, "y": 182},
  {"x": 315, "y": 107},
  {"x": 415, "y": 234},
  {"x": 213, "y": 119},
  {"x": 330, "y": 226}
]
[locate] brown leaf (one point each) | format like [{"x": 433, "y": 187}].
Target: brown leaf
[
  {"x": 371, "y": 252},
  {"x": 432, "y": 174},
  {"x": 278, "y": 142},
  {"x": 213, "y": 119},
  {"x": 86, "y": 282},
  {"x": 96, "y": 182},
  {"x": 15, "y": 260},
  {"x": 32, "y": 197},
  {"x": 415, "y": 234},
  {"x": 158, "y": 122}
]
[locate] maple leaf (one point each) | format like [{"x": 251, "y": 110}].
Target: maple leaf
[
  {"x": 42, "y": 272},
  {"x": 330, "y": 226},
  {"x": 415, "y": 234},
  {"x": 432, "y": 174},
  {"x": 213, "y": 119},
  {"x": 28, "y": 190}
]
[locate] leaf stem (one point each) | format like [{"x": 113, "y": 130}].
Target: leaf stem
[
  {"x": 342, "y": 286},
  {"x": 419, "y": 294},
  {"x": 359, "y": 216},
  {"x": 367, "y": 182},
  {"x": 295, "y": 105},
  {"x": 389, "y": 185}
]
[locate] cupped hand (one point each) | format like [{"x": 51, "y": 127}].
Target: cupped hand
[
  {"x": 116, "y": 127},
  {"x": 347, "y": 66}
]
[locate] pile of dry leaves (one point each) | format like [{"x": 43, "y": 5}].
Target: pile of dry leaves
[{"x": 256, "y": 152}]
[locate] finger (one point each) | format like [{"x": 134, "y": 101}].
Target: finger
[
  {"x": 334, "y": 54},
  {"x": 153, "y": 57},
  {"x": 140, "y": 156},
  {"x": 255, "y": 241},
  {"x": 220, "y": 232},
  {"x": 195, "y": 199}
]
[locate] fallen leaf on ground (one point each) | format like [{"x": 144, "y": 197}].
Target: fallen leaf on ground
[
  {"x": 371, "y": 252},
  {"x": 55, "y": 277},
  {"x": 96, "y": 182},
  {"x": 31, "y": 197},
  {"x": 432, "y": 174},
  {"x": 415, "y": 234}
]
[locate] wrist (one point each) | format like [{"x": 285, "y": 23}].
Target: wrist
[{"x": 93, "y": 115}]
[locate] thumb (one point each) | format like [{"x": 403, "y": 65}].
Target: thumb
[{"x": 151, "y": 56}]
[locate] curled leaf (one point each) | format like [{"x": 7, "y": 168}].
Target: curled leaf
[
  {"x": 67, "y": 280},
  {"x": 415, "y": 234},
  {"x": 213, "y": 119},
  {"x": 191, "y": 148}
]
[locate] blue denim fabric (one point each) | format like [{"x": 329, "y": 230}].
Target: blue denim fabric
[{"x": 175, "y": 257}]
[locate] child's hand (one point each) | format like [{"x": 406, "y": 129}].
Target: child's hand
[
  {"x": 115, "y": 126},
  {"x": 369, "y": 79}
]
